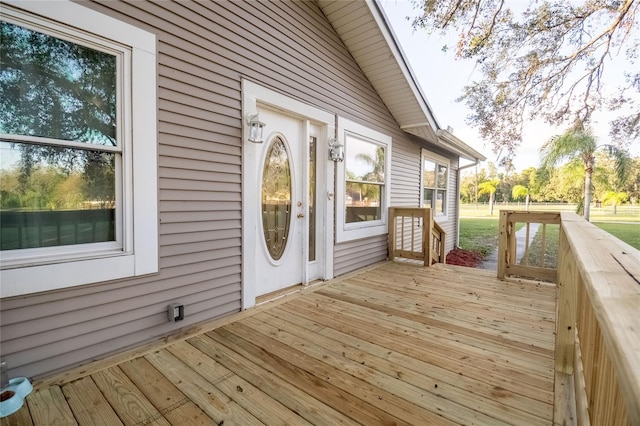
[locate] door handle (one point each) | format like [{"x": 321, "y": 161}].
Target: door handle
[{"x": 300, "y": 215}]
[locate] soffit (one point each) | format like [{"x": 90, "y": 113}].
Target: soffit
[{"x": 363, "y": 29}]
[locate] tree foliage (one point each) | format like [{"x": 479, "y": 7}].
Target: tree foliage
[
  {"x": 614, "y": 199},
  {"x": 580, "y": 146},
  {"x": 489, "y": 187},
  {"x": 563, "y": 183},
  {"x": 519, "y": 192},
  {"x": 54, "y": 88},
  {"x": 548, "y": 62},
  {"x": 57, "y": 89}
]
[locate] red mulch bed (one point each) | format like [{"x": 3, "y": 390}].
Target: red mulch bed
[{"x": 461, "y": 257}]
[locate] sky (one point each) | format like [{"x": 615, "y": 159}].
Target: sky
[{"x": 442, "y": 78}]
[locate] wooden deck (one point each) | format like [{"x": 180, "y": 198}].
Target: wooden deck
[{"x": 394, "y": 345}]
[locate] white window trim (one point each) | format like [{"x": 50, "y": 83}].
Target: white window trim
[
  {"x": 139, "y": 254},
  {"x": 353, "y": 231},
  {"x": 438, "y": 159}
]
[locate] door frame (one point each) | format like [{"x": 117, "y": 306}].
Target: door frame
[{"x": 253, "y": 97}]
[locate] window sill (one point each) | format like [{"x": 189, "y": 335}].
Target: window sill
[{"x": 35, "y": 279}]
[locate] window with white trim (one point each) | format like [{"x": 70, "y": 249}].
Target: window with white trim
[
  {"x": 78, "y": 155},
  {"x": 435, "y": 183},
  {"x": 362, "y": 182}
]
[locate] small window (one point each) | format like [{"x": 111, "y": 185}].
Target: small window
[
  {"x": 363, "y": 182},
  {"x": 77, "y": 121},
  {"x": 435, "y": 183}
]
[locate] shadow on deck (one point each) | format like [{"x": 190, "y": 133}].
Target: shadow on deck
[{"x": 392, "y": 344}]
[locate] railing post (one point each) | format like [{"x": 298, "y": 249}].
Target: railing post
[
  {"x": 566, "y": 343},
  {"x": 566, "y": 307},
  {"x": 392, "y": 233},
  {"x": 443, "y": 248},
  {"x": 427, "y": 219},
  {"x": 503, "y": 245}
]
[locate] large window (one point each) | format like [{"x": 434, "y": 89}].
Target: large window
[
  {"x": 77, "y": 120},
  {"x": 435, "y": 183},
  {"x": 363, "y": 182}
]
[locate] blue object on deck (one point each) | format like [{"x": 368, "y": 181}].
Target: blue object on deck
[{"x": 15, "y": 394}]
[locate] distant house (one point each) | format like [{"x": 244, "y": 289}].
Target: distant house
[{"x": 152, "y": 105}]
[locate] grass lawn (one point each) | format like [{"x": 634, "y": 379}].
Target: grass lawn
[
  {"x": 626, "y": 213},
  {"x": 627, "y": 232},
  {"x": 479, "y": 230},
  {"x": 480, "y": 235},
  {"x": 535, "y": 255}
]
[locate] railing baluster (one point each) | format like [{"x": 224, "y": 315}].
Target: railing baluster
[
  {"x": 526, "y": 246},
  {"x": 413, "y": 233},
  {"x": 507, "y": 245},
  {"x": 402, "y": 233},
  {"x": 543, "y": 247}
]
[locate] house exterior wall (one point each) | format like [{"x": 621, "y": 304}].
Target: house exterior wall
[
  {"x": 450, "y": 226},
  {"x": 204, "y": 51}
]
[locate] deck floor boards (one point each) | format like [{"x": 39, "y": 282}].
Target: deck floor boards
[{"x": 392, "y": 345}]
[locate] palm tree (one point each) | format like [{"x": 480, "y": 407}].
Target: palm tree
[
  {"x": 579, "y": 142},
  {"x": 376, "y": 174},
  {"x": 489, "y": 187},
  {"x": 520, "y": 191},
  {"x": 376, "y": 162}
]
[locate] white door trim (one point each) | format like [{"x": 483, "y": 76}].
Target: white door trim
[{"x": 253, "y": 96}]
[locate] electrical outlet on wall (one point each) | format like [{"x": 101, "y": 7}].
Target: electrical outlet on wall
[{"x": 175, "y": 312}]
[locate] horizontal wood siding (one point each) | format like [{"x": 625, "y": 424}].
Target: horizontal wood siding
[
  {"x": 204, "y": 51},
  {"x": 356, "y": 254},
  {"x": 405, "y": 172},
  {"x": 450, "y": 226}
]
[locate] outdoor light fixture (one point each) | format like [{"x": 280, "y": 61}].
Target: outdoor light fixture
[
  {"x": 255, "y": 128},
  {"x": 336, "y": 150}
]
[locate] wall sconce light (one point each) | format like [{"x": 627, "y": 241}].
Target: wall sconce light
[
  {"x": 336, "y": 150},
  {"x": 255, "y": 128}
]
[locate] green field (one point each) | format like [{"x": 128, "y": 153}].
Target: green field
[
  {"x": 625, "y": 213},
  {"x": 627, "y": 232},
  {"x": 547, "y": 256},
  {"x": 479, "y": 230},
  {"x": 480, "y": 235}
]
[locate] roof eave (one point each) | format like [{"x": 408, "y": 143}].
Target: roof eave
[
  {"x": 456, "y": 145},
  {"x": 395, "y": 83}
]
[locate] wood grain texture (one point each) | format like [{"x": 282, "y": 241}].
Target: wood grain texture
[
  {"x": 393, "y": 344},
  {"x": 88, "y": 404},
  {"x": 126, "y": 399},
  {"x": 204, "y": 393},
  {"x": 49, "y": 407},
  {"x": 19, "y": 418},
  {"x": 607, "y": 320},
  {"x": 168, "y": 400}
]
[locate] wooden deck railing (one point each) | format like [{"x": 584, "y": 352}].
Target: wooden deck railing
[
  {"x": 438, "y": 244},
  {"x": 409, "y": 229},
  {"x": 533, "y": 260},
  {"x": 598, "y": 323}
]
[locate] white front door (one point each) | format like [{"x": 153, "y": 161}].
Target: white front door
[{"x": 286, "y": 246}]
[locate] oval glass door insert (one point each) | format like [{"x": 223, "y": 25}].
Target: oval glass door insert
[{"x": 276, "y": 198}]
